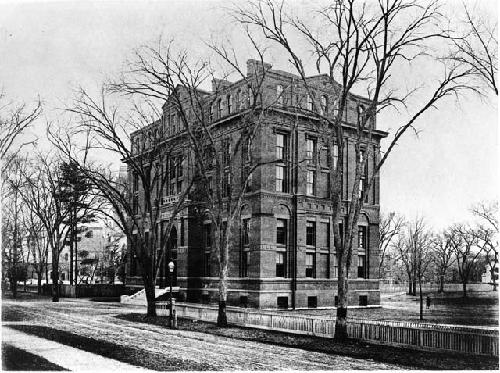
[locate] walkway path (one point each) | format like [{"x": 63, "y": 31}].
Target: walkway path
[{"x": 67, "y": 357}]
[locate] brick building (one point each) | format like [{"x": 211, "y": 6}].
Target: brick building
[{"x": 282, "y": 254}]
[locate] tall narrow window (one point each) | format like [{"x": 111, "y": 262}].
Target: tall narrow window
[
  {"x": 280, "y": 146},
  {"x": 281, "y": 232},
  {"x": 335, "y": 155},
  {"x": 361, "y": 112},
  {"x": 226, "y": 152},
  {"x": 311, "y": 182},
  {"x": 311, "y": 233},
  {"x": 309, "y": 103},
  {"x": 310, "y": 265},
  {"x": 229, "y": 105},
  {"x": 280, "y": 178},
  {"x": 211, "y": 113},
  {"x": 226, "y": 187},
  {"x": 280, "y": 264},
  {"x": 279, "y": 94},
  {"x": 237, "y": 104},
  {"x": 207, "y": 232},
  {"x": 281, "y": 166},
  {"x": 245, "y": 230},
  {"x": 324, "y": 105},
  {"x": 219, "y": 108},
  {"x": 311, "y": 145},
  {"x": 182, "y": 232},
  {"x": 245, "y": 263},
  {"x": 362, "y": 266},
  {"x": 361, "y": 238}
]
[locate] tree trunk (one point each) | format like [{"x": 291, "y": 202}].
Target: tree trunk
[
  {"x": 414, "y": 288},
  {"x": 13, "y": 286},
  {"x": 409, "y": 286},
  {"x": 341, "y": 323},
  {"x": 39, "y": 283},
  {"x": 464, "y": 289},
  {"x": 55, "y": 282},
  {"x": 441, "y": 284},
  {"x": 421, "y": 300},
  {"x": 150, "y": 297},
  {"x": 222, "y": 315}
]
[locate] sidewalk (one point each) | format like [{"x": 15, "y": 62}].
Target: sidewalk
[{"x": 67, "y": 357}]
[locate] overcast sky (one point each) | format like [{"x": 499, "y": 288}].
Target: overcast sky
[{"x": 48, "y": 48}]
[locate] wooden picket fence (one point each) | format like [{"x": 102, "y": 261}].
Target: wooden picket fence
[{"x": 431, "y": 337}]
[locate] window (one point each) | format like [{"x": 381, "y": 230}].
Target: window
[
  {"x": 361, "y": 238},
  {"x": 363, "y": 300},
  {"x": 226, "y": 152},
  {"x": 281, "y": 232},
  {"x": 311, "y": 182},
  {"x": 336, "y": 300},
  {"x": 324, "y": 233},
  {"x": 311, "y": 150},
  {"x": 174, "y": 123},
  {"x": 279, "y": 94},
  {"x": 309, "y": 103},
  {"x": 312, "y": 302},
  {"x": 281, "y": 168},
  {"x": 220, "y": 108},
  {"x": 280, "y": 264},
  {"x": 335, "y": 107},
  {"x": 282, "y": 302},
  {"x": 324, "y": 105},
  {"x": 229, "y": 106},
  {"x": 211, "y": 113},
  {"x": 311, "y": 233},
  {"x": 361, "y": 111},
  {"x": 206, "y": 264},
  {"x": 244, "y": 301},
  {"x": 280, "y": 178},
  {"x": 245, "y": 230},
  {"x": 361, "y": 266},
  {"x": 245, "y": 263},
  {"x": 323, "y": 266},
  {"x": 310, "y": 265},
  {"x": 280, "y": 146},
  {"x": 237, "y": 100},
  {"x": 335, "y": 155},
  {"x": 226, "y": 186},
  {"x": 207, "y": 229},
  {"x": 180, "y": 166}
]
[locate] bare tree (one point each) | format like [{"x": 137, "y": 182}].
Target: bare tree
[
  {"x": 487, "y": 236},
  {"x": 444, "y": 255},
  {"x": 477, "y": 45},
  {"x": 359, "y": 47},
  {"x": 137, "y": 203},
  {"x": 467, "y": 253},
  {"x": 390, "y": 226},
  {"x": 223, "y": 162},
  {"x": 14, "y": 119}
]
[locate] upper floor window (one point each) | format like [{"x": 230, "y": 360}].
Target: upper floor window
[
  {"x": 226, "y": 152},
  {"x": 310, "y": 265},
  {"x": 281, "y": 232},
  {"x": 361, "y": 112},
  {"x": 311, "y": 150},
  {"x": 335, "y": 155},
  {"x": 279, "y": 94},
  {"x": 335, "y": 107},
  {"x": 280, "y": 264},
  {"x": 211, "y": 113},
  {"x": 237, "y": 100},
  {"x": 229, "y": 106},
  {"x": 311, "y": 233},
  {"x": 220, "y": 105},
  {"x": 361, "y": 237},
  {"x": 281, "y": 146},
  {"x": 311, "y": 182},
  {"x": 309, "y": 102},
  {"x": 324, "y": 105},
  {"x": 245, "y": 232}
]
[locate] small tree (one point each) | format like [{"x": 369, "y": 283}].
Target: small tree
[{"x": 389, "y": 228}]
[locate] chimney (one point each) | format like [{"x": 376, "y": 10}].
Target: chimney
[{"x": 257, "y": 67}]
